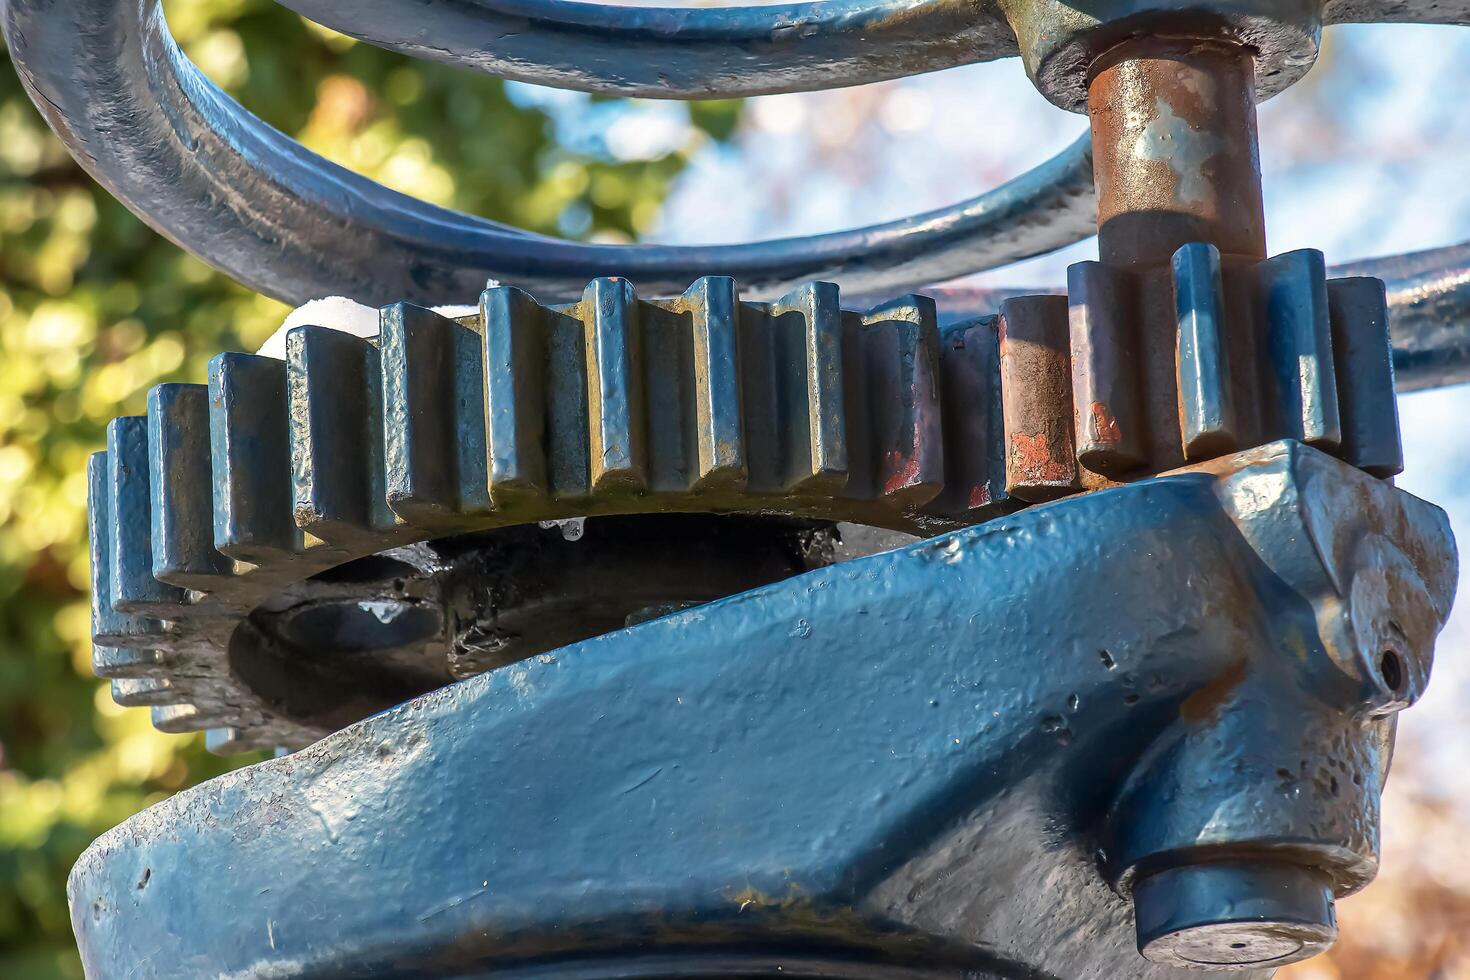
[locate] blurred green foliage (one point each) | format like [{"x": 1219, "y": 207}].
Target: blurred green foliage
[{"x": 95, "y": 309}]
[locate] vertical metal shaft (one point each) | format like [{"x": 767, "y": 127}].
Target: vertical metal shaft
[
  {"x": 1179, "y": 215},
  {"x": 1175, "y": 151}
]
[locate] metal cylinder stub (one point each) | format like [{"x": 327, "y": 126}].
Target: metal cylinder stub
[
  {"x": 1234, "y": 916},
  {"x": 1175, "y": 155}
]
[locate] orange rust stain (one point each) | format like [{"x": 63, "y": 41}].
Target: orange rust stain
[
  {"x": 1104, "y": 427},
  {"x": 1205, "y": 703},
  {"x": 902, "y": 471},
  {"x": 979, "y": 496},
  {"x": 1035, "y": 458}
]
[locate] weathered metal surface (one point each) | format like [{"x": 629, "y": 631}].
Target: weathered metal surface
[
  {"x": 613, "y": 405},
  {"x": 1036, "y": 398},
  {"x": 826, "y": 777},
  {"x": 1303, "y": 386},
  {"x": 1107, "y": 383},
  {"x": 1208, "y": 424},
  {"x": 1396, "y": 12},
  {"x": 1428, "y": 313},
  {"x": 246, "y": 199},
  {"x": 1223, "y": 657},
  {"x": 682, "y": 52},
  {"x": 1233, "y": 349},
  {"x": 609, "y": 406},
  {"x": 1062, "y": 44},
  {"x": 1270, "y": 913},
  {"x": 1369, "y": 411},
  {"x": 274, "y": 216},
  {"x": 1175, "y": 158}
]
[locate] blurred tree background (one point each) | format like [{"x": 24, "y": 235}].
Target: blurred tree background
[{"x": 95, "y": 309}]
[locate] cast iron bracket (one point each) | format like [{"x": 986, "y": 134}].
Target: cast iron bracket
[{"x": 961, "y": 758}]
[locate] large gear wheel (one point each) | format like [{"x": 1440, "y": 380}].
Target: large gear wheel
[{"x": 230, "y": 527}]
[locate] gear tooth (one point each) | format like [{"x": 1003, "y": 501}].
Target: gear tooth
[
  {"x": 129, "y": 502},
  {"x": 110, "y": 628},
  {"x": 567, "y": 443},
  {"x": 898, "y": 344},
  {"x": 515, "y": 376},
  {"x": 669, "y": 377},
  {"x": 1363, "y": 354},
  {"x": 433, "y": 416},
  {"x": 181, "y": 719},
  {"x": 333, "y": 385},
  {"x": 810, "y": 400},
  {"x": 719, "y": 450},
  {"x": 1036, "y": 398},
  {"x": 116, "y": 662},
  {"x": 1207, "y": 418},
  {"x": 760, "y": 371},
  {"x": 250, "y": 458},
  {"x": 142, "y": 692},
  {"x": 975, "y": 457},
  {"x": 1293, "y": 298},
  {"x": 616, "y": 417},
  {"x": 179, "y": 478},
  {"x": 1108, "y": 418},
  {"x": 858, "y": 410}
]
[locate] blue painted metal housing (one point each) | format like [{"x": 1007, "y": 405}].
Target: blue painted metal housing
[{"x": 956, "y": 759}]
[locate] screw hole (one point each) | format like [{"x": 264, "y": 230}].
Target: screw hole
[
  {"x": 1237, "y": 945},
  {"x": 1391, "y": 667}
]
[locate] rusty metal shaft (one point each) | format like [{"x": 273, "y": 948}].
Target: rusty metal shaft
[{"x": 1175, "y": 151}]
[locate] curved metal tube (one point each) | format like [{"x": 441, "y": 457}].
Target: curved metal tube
[
  {"x": 256, "y": 205},
  {"x": 680, "y": 53},
  {"x": 1429, "y": 307},
  {"x": 730, "y": 52},
  {"x": 203, "y": 171}
]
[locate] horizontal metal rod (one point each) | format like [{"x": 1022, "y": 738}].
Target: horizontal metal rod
[{"x": 1429, "y": 313}]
